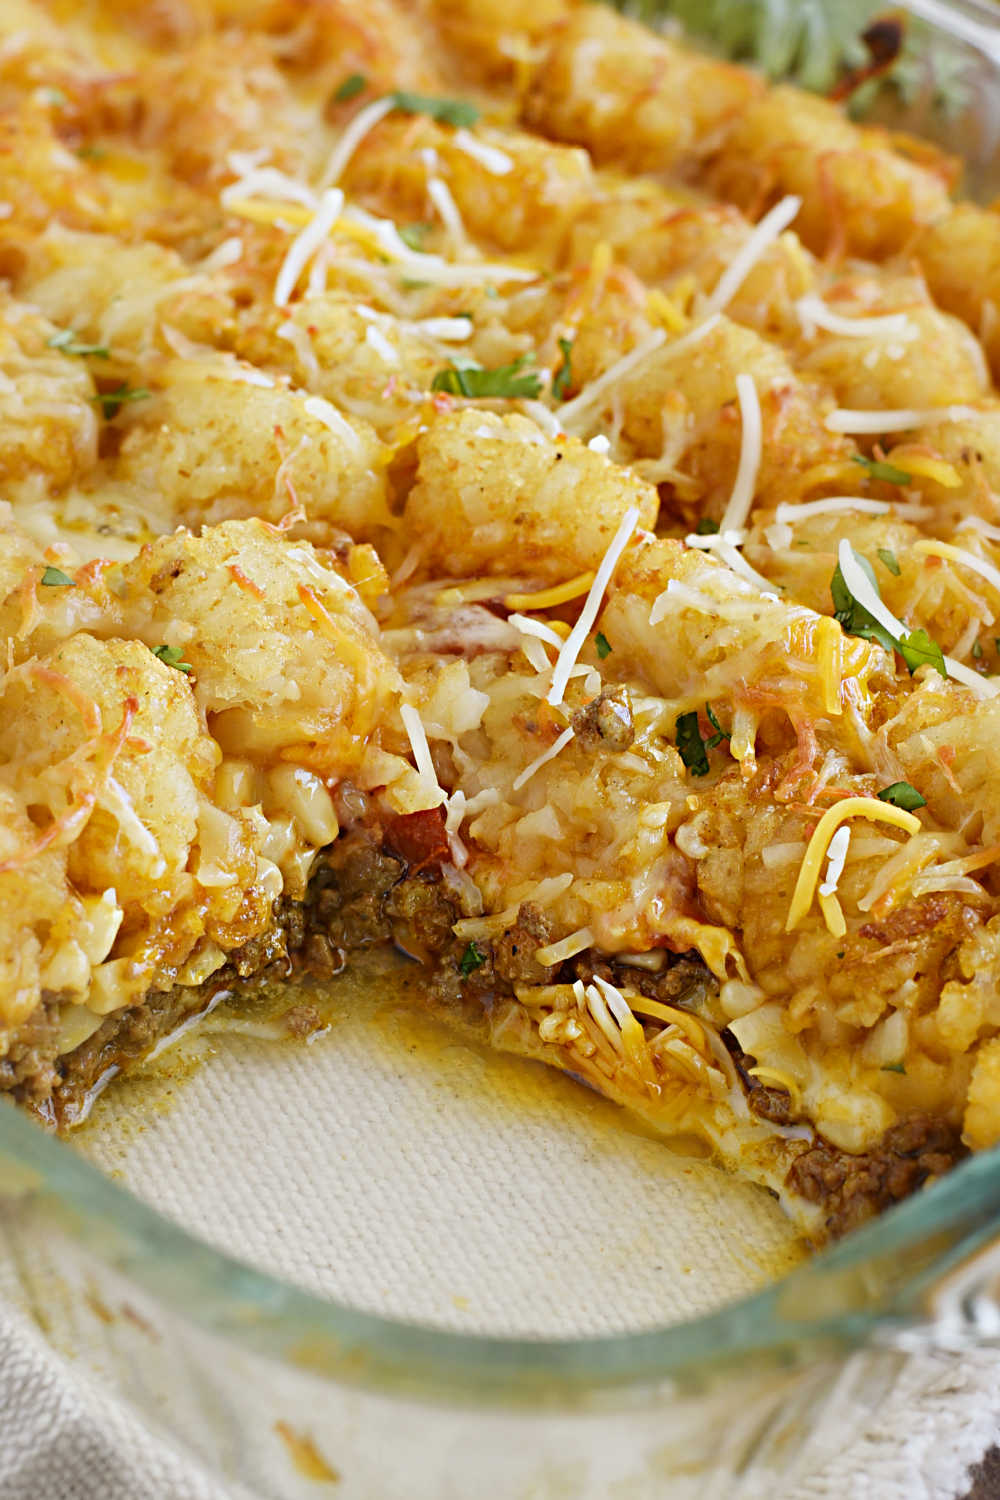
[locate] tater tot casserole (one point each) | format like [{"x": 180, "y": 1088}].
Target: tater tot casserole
[{"x": 492, "y": 480}]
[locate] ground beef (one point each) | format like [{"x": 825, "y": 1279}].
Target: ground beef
[
  {"x": 606, "y": 721},
  {"x": 29, "y": 1069},
  {"x": 514, "y": 951},
  {"x": 853, "y": 1189},
  {"x": 351, "y": 879},
  {"x": 765, "y": 1100}
]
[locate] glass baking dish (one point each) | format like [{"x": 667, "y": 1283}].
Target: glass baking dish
[{"x": 392, "y": 1261}]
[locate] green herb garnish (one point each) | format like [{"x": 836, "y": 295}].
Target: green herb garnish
[
  {"x": 878, "y": 469},
  {"x": 92, "y": 153},
  {"x": 414, "y": 235},
  {"x": 55, "y": 578},
  {"x": 896, "y": 1067},
  {"x": 690, "y": 745},
  {"x": 112, "y": 401},
  {"x": 719, "y": 735},
  {"x": 351, "y": 87},
  {"x": 706, "y": 527},
  {"x": 472, "y": 380},
  {"x": 603, "y": 645},
  {"x": 563, "y": 378},
  {"x": 891, "y": 561},
  {"x": 473, "y": 958},
  {"x": 447, "y": 111},
  {"x": 172, "y": 656},
  {"x": 67, "y": 341},
  {"x": 902, "y": 794},
  {"x": 977, "y": 651},
  {"x": 916, "y": 648}
]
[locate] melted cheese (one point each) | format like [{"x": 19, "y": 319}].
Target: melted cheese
[{"x": 851, "y": 807}]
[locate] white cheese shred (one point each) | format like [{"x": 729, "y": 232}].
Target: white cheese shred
[
  {"x": 324, "y": 412},
  {"x": 611, "y": 376},
  {"x": 751, "y": 449},
  {"x": 773, "y": 224},
  {"x": 417, "y": 735},
  {"x": 490, "y": 157},
  {"x": 897, "y": 419},
  {"x": 543, "y": 759},
  {"x": 836, "y": 858},
  {"x": 812, "y": 312},
  {"x": 365, "y": 120},
  {"x": 573, "y": 644},
  {"x": 306, "y": 243},
  {"x": 788, "y": 514},
  {"x": 861, "y": 587}
]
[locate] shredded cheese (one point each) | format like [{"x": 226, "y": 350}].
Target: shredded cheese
[
  {"x": 376, "y": 340},
  {"x": 851, "y": 807},
  {"x": 448, "y": 210},
  {"x": 591, "y": 393},
  {"x": 763, "y": 234},
  {"x": 861, "y": 587},
  {"x": 828, "y": 638},
  {"x": 364, "y": 121},
  {"x": 836, "y": 856},
  {"x": 812, "y": 313},
  {"x": 566, "y": 659},
  {"x": 323, "y": 411},
  {"x": 447, "y": 330},
  {"x": 961, "y": 673},
  {"x": 561, "y": 593},
  {"x": 751, "y": 449},
  {"x": 983, "y": 527},
  {"x": 899, "y": 419},
  {"x": 417, "y": 735},
  {"x": 930, "y": 548},
  {"x": 925, "y": 466},
  {"x": 837, "y": 504},
  {"x": 567, "y": 947},
  {"x": 490, "y": 157},
  {"x": 306, "y": 243},
  {"x": 537, "y": 628},
  {"x": 540, "y": 760}
]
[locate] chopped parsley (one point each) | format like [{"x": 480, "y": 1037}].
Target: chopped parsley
[
  {"x": 92, "y": 153},
  {"x": 563, "y": 378},
  {"x": 887, "y": 556},
  {"x": 112, "y": 401},
  {"x": 977, "y": 651},
  {"x": 67, "y": 341},
  {"x": 916, "y": 648},
  {"x": 172, "y": 656},
  {"x": 473, "y": 958},
  {"x": 603, "y": 645},
  {"x": 902, "y": 794},
  {"x": 896, "y": 1067},
  {"x": 706, "y": 527},
  {"x": 719, "y": 735},
  {"x": 447, "y": 111},
  {"x": 352, "y": 86},
  {"x": 879, "y": 469},
  {"x": 55, "y": 578},
  {"x": 414, "y": 235},
  {"x": 690, "y": 745},
  {"x": 472, "y": 380}
]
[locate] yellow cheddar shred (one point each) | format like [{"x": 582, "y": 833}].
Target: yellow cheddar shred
[
  {"x": 851, "y": 807},
  {"x": 561, "y": 593},
  {"x": 924, "y": 466},
  {"x": 828, "y": 638},
  {"x": 833, "y": 913}
]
